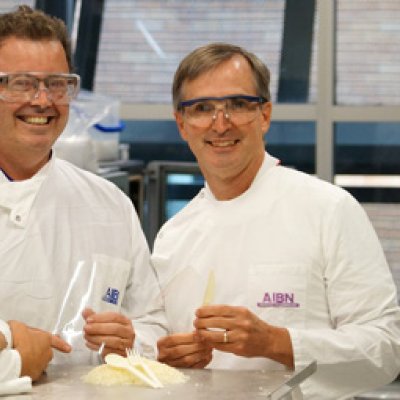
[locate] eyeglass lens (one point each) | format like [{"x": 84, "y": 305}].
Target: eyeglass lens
[
  {"x": 60, "y": 89},
  {"x": 238, "y": 111}
]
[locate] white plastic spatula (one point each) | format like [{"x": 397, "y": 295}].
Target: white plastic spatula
[
  {"x": 117, "y": 361},
  {"x": 209, "y": 293}
]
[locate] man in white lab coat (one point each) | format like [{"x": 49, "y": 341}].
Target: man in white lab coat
[
  {"x": 291, "y": 265},
  {"x": 73, "y": 257}
]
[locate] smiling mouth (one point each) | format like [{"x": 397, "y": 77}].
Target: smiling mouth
[
  {"x": 223, "y": 143},
  {"x": 36, "y": 120}
]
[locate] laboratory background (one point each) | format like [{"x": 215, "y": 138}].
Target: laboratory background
[{"x": 335, "y": 86}]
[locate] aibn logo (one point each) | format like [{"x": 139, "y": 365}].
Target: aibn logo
[{"x": 278, "y": 299}]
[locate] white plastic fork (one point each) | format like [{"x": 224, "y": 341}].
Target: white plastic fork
[{"x": 135, "y": 359}]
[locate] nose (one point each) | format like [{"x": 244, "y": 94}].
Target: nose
[
  {"x": 42, "y": 96},
  {"x": 221, "y": 123}
]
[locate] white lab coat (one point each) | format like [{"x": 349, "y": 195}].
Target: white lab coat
[
  {"x": 10, "y": 361},
  {"x": 300, "y": 253},
  {"x": 71, "y": 239}
]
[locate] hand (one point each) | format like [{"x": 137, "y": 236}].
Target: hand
[
  {"x": 184, "y": 350},
  {"x": 247, "y": 335},
  {"x": 113, "y": 329},
  {"x": 35, "y": 348}
]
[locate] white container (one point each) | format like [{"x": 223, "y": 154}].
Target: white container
[
  {"x": 78, "y": 150},
  {"x": 106, "y": 143},
  {"x": 106, "y": 132}
]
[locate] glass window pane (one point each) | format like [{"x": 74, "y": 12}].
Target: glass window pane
[
  {"x": 367, "y": 160},
  {"x": 11, "y": 5},
  {"x": 368, "y": 52},
  {"x": 292, "y": 142},
  {"x": 180, "y": 189},
  {"x": 143, "y": 41}
]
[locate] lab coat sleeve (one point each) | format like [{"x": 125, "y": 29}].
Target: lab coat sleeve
[
  {"x": 143, "y": 296},
  {"x": 10, "y": 360},
  {"x": 362, "y": 350},
  {"x": 10, "y": 364}
]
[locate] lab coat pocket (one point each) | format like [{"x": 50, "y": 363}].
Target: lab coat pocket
[
  {"x": 37, "y": 290},
  {"x": 277, "y": 293},
  {"x": 26, "y": 300}
]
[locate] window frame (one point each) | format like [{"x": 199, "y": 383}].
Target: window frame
[{"x": 324, "y": 112}]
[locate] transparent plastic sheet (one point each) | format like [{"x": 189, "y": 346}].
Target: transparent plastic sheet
[
  {"x": 81, "y": 142},
  {"x": 99, "y": 285}
]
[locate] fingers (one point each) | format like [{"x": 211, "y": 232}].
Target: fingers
[
  {"x": 227, "y": 341},
  {"x": 107, "y": 317},
  {"x": 230, "y": 329},
  {"x": 183, "y": 350},
  {"x": 113, "y": 329},
  {"x": 55, "y": 341},
  {"x": 224, "y": 311},
  {"x": 203, "y": 363},
  {"x": 177, "y": 346},
  {"x": 111, "y": 343},
  {"x": 176, "y": 339},
  {"x": 110, "y": 333},
  {"x": 218, "y": 316},
  {"x": 239, "y": 331},
  {"x": 221, "y": 317},
  {"x": 107, "y": 350},
  {"x": 60, "y": 344},
  {"x": 191, "y": 360}
]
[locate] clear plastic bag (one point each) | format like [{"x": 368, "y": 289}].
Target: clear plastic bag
[
  {"x": 92, "y": 131},
  {"x": 98, "y": 284}
]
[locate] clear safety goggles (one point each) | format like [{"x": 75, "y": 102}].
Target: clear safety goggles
[
  {"x": 24, "y": 87},
  {"x": 238, "y": 109}
]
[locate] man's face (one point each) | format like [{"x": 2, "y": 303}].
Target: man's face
[
  {"x": 223, "y": 149},
  {"x": 31, "y": 127}
]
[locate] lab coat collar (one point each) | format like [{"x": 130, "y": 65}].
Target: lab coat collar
[{"x": 17, "y": 197}]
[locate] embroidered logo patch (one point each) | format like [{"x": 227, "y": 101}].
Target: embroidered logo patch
[
  {"x": 111, "y": 296},
  {"x": 278, "y": 299}
]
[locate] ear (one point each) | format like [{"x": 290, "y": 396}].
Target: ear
[
  {"x": 266, "y": 111},
  {"x": 180, "y": 124}
]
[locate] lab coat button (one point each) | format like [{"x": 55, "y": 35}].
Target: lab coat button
[{"x": 18, "y": 218}]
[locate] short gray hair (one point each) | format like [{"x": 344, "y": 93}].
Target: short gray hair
[{"x": 205, "y": 58}]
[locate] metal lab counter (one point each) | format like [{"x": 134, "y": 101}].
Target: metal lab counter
[{"x": 65, "y": 383}]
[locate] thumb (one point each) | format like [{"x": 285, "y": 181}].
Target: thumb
[{"x": 86, "y": 313}]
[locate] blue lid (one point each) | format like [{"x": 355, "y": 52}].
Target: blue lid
[{"x": 107, "y": 129}]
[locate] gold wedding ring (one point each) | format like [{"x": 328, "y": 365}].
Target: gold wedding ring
[{"x": 226, "y": 336}]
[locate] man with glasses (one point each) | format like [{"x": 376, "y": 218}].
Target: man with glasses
[
  {"x": 73, "y": 257},
  {"x": 268, "y": 268}
]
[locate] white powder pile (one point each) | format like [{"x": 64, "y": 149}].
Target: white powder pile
[{"x": 107, "y": 375}]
